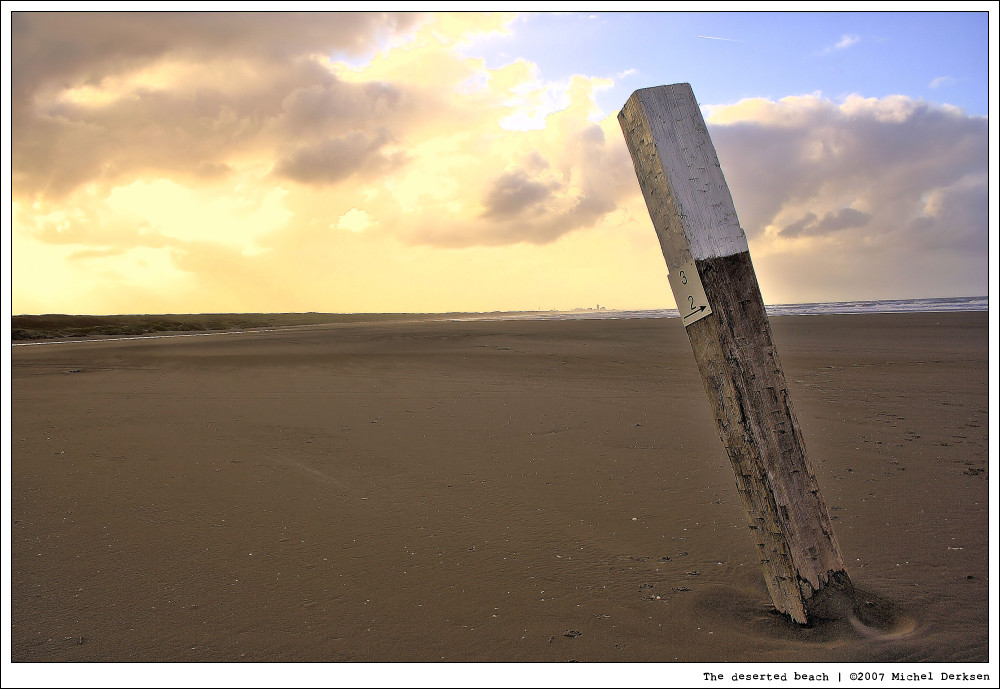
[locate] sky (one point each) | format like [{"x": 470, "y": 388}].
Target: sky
[{"x": 378, "y": 162}]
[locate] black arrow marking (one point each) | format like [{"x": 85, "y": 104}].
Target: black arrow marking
[{"x": 694, "y": 313}]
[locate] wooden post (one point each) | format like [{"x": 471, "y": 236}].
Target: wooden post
[{"x": 717, "y": 294}]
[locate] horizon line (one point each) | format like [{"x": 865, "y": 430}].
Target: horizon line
[{"x": 445, "y": 313}]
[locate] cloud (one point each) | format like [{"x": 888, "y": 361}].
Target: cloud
[
  {"x": 355, "y": 220},
  {"x": 938, "y": 82},
  {"x": 862, "y": 178},
  {"x": 101, "y": 98},
  {"x": 333, "y": 159},
  {"x": 228, "y": 155},
  {"x": 811, "y": 224},
  {"x": 153, "y": 121},
  {"x": 513, "y": 194},
  {"x": 328, "y": 104},
  {"x": 799, "y": 226},
  {"x": 846, "y": 41},
  {"x": 52, "y": 48},
  {"x": 552, "y": 182}
]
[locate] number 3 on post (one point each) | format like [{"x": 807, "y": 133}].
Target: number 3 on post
[{"x": 689, "y": 293}]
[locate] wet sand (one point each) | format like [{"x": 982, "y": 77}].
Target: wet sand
[{"x": 482, "y": 491}]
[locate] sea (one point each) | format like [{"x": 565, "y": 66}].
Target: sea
[{"x": 934, "y": 305}]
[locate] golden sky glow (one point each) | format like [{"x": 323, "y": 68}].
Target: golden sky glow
[{"x": 359, "y": 163}]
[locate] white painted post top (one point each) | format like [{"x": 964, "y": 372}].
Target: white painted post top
[{"x": 679, "y": 172}]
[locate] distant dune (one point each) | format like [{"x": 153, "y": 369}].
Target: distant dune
[{"x": 53, "y": 326}]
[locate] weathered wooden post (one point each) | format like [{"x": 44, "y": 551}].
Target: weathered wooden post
[{"x": 717, "y": 294}]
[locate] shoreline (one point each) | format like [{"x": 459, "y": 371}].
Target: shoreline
[
  {"x": 535, "y": 316},
  {"x": 60, "y": 327}
]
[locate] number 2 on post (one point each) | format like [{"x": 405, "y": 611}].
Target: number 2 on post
[{"x": 689, "y": 293}]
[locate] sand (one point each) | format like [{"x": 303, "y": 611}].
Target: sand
[{"x": 482, "y": 491}]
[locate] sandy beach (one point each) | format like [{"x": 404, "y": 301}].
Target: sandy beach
[{"x": 495, "y": 491}]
